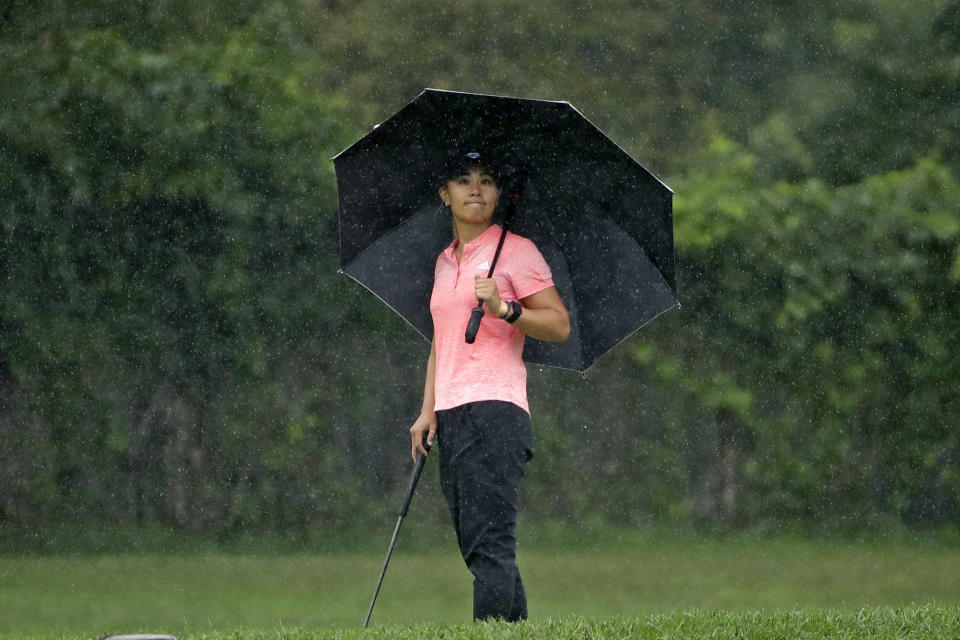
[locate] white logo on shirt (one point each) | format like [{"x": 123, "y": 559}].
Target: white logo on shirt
[{"x": 484, "y": 265}]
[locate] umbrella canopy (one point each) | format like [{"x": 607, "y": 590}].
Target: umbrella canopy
[{"x": 603, "y": 223}]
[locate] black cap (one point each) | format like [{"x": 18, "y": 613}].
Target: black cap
[{"x": 461, "y": 161}]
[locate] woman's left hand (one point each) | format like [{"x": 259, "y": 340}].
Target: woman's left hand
[{"x": 486, "y": 290}]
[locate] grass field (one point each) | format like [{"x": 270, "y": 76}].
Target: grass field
[
  {"x": 736, "y": 588},
  {"x": 913, "y": 623}
]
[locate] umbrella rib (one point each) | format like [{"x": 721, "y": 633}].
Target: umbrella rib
[
  {"x": 376, "y": 126},
  {"x": 622, "y": 150},
  {"x": 675, "y": 305},
  {"x": 386, "y": 234},
  {"x": 388, "y": 305},
  {"x": 490, "y": 95}
]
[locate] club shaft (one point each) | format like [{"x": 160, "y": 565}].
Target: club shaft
[
  {"x": 414, "y": 478},
  {"x": 383, "y": 572}
]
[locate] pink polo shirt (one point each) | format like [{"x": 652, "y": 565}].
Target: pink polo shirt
[{"x": 492, "y": 367}]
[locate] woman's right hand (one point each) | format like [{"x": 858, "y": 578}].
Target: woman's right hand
[{"x": 426, "y": 423}]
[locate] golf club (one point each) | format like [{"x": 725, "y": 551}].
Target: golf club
[{"x": 414, "y": 478}]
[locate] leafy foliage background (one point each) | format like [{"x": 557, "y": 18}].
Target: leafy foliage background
[{"x": 177, "y": 350}]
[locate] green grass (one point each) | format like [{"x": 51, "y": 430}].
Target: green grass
[
  {"x": 878, "y": 623},
  {"x": 655, "y": 589}
]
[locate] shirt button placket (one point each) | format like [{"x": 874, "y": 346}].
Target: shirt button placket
[{"x": 462, "y": 262}]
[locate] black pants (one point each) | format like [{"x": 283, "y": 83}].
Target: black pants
[{"x": 484, "y": 450}]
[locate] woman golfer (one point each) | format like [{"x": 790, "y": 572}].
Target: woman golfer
[{"x": 475, "y": 395}]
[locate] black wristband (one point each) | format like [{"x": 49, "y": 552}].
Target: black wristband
[{"x": 515, "y": 311}]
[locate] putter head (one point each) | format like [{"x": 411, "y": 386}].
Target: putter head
[{"x": 138, "y": 636}]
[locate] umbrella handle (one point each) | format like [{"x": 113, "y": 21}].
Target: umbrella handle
[{"x": 473, "y": 326}]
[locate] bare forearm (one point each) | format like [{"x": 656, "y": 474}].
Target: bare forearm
[
  {"x": 543, "y": 314},
  {"x": 551, "y": 325},
  {"x": 428, "y": 384},
  {"x": 426, "y": 422}
]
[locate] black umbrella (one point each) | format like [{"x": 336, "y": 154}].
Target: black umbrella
[{"x": 603, "y": 223}]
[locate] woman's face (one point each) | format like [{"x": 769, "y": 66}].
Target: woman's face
[{"x": 472, "y": 196}]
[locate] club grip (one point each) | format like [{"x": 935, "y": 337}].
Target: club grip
[
  {"x": 415, "y": 477},
  {"x": 474, "y": 325}
]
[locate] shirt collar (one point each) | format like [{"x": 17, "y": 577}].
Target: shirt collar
[{"x": 490, "y": 235}]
